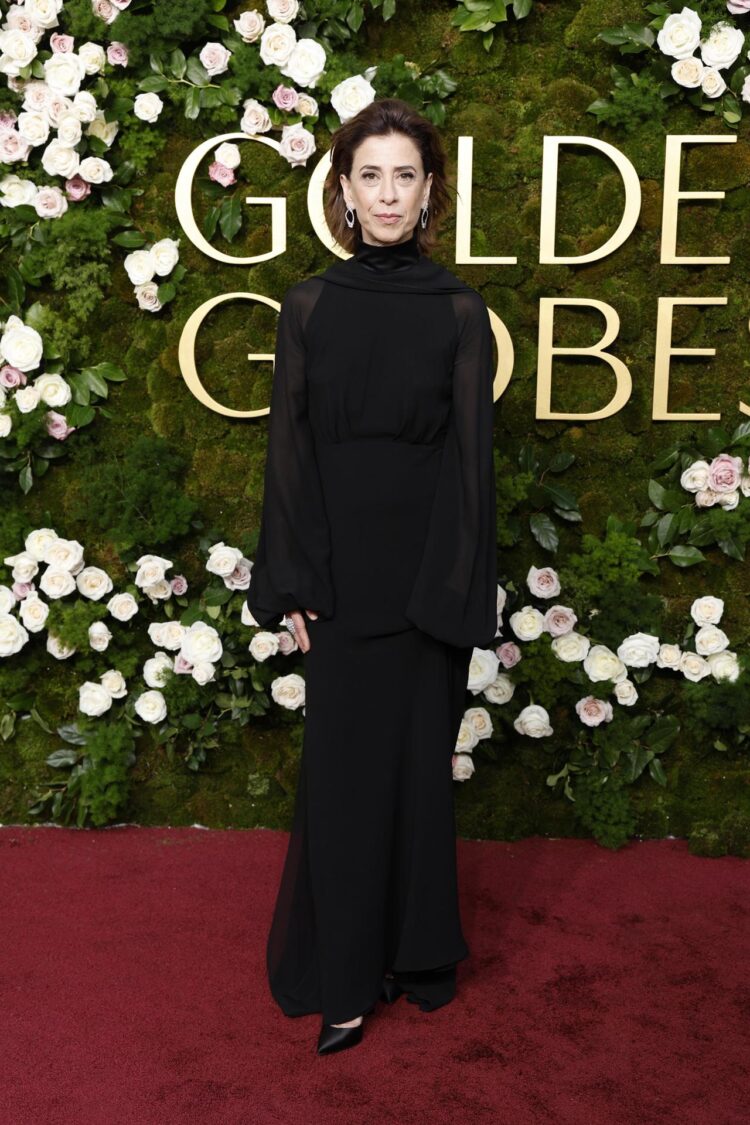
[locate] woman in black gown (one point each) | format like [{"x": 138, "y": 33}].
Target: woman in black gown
[{"x": 378, "y": 540}]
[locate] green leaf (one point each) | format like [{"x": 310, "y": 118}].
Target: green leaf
[
  {"x": 197, "y": 73},
  {"x": 25, "y": 479},
  {"x": 561, "y": 497},
  {"x": 732, "y": 547},
  {"x": 193, "y": 102},
  {"x": 230, "y": 219},
  {"x": 656, "y": 769},
  {"x": 130, "y": 239},
  {"x": 544, "y": 531},
  {"x": 686, "y": 556},
  {"x": 166, "y": 292},
  {"x": 560, "y": 462},
  {"x": 656, "y": 493}
]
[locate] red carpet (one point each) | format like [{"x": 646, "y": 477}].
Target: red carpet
[{"x": 602, "y": 987}]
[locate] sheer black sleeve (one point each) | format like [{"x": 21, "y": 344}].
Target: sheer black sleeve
[
  {"x": 454, "y": 597},
  {"x": 291, "y": 567}
]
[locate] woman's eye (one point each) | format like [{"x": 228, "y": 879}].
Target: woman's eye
[{"x": 404, "y": 175}]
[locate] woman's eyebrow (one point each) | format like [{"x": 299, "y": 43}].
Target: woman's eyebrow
[{"x": 377, "y": 167}]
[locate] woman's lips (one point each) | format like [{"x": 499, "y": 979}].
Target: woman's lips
[{"x": 388, "y": 218}]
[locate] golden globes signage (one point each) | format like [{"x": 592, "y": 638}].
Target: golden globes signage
[{"x": 623, "y": 383}]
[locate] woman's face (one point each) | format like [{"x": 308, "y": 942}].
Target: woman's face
[{"x": 387, "y": 179}]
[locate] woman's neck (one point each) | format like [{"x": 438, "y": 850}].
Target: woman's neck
[{"x": 387, "y": 256}]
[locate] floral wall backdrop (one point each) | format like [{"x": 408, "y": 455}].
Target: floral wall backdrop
[{"x": 134, "y": 683}]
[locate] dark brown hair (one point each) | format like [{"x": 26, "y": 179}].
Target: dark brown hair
[{"x": 380, "y": 118}]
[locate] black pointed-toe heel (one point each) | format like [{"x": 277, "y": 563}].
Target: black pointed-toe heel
[
  {"x": 334, "y": 1038},
  {"x": 391, "y": 990}
]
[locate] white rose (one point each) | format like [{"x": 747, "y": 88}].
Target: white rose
[
  {"x": 50, "y": 203},
  {"x": 57, "y": 581},
  {"x": 724, "y": 666},
  {"x": 43, "y": 12},
  {"x": 140, "y": 266},
  {"x": 543, "y": 583},
  {"x": 688, "y": 72},
  {"x": 480, "y": 721},
  {"x": 723, "y": 45},
  {"x": 200, "y": 643},
  {"x": 559, "y": 620},
  {"x": 151, "y": 706},
  {"x": 6, "y": 425},
  {"x": 13, "y": 147},
  {"x": 707, "y": 610},
  {"x": 467, "y": 738},
  {"x": 222, "y": 559},
  {"x": 35, "y": 94},
  {"x": 255, "y": 118},
  {"x": 151, "y": 569},
  {"x": 105, "y": 130},
  {"x": 18, "y": 49},
  {"x": 706, "y": 498},
  {"x": 19, "y": 18},
  {"x": 625, "y": 693},
  {"x": 95, "y": 170},
  {"x": 277, "y": 43},
  {"x": 712, "y": 82},
  {"x": 56, "y": 648},
  {"x": 93, "y": 583},
  {"x": 93, "y": 57},
  {"x": 93, "y": 699},
  {"x": 20, "y": 345},
  {"x": 33, "y": 127},
  {"x": 114, "y": 682},
  {"x": 639, "y": 650},
  {"x": 38, "y": 541},
  {"x": 147, "y": 107},
  {"x": 745, "y": 485},
  {"x": 33, "y": 612},
  {"x": 228, "y": 155},
  {"x": 27, "y": 398},
  {"x": 165, "y": 254},
  {"x": 483, "y": 667},
  {"x": 53, "y": 389},
  {"x": 25, "y": 566},
  {"x": 601, "y": 663},
  {"x": 99, "y": 636},
  {"x": 167, "y": 634},
  {"x": 695, "y": 477},
  {"x": 16, "y": 191},
  {"x": 680, "y": 34},
  {"x": 571, "y": 647},
  {"x": 84, "y": 106},
  {"x": 147, "y": 296},
  {"x": 263, "y": 645},
  {"x": 728, "y": 500},
  {"x": 250, "y": 26},
  {"x": 203, "y": 672},
  {"x": 669, "y": 656},
  {"x": 122, "y": 607},
  {"x": 533, "y": 721},
  {"x": 156, "y": 668},
  {"x": 67, "y": 554},
  {"x": 710, "y": 639},
  {"x": 64, "y": 73},
  {"x": 59, "y": 159},
  {"x": 288, "y": 691},
  {"x": 501, "y": 689},
  {"x": 693, "y": 666},
  {"x": 462, "y": 767},
  {"x": 159, "y": 591},
  {"x": 215, "y": 58},
  {"x": 13, "y": 636},
  {"x": 351, "y": 95},
  {"x": 297, "y": 144},
  {"x": 592, "y": 711},
  {"x": 307, "y": 106},
  {"x": 527, "y": 623},
  {"x": 284, "y": 11},
  {"x": 7, "y": 599}
]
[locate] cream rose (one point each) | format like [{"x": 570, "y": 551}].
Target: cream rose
[
  {"x": 156, "y": 669},
  {"x": 18, "y": 49},
  {"x": 680, "y": 34},
  {"x": 723, "y": 46},
  {"x": 710, "y": 639},
  {"x": 33, "y": 612},
  {"x": 33, "y": 127},
  {"x": 712, "y": 82},
  {"x": 38, "y": 541},
  {"x": 95, "y": 170},
  {"x": 93, "y": 583},
  {"x": 533, "y": 721},
  {"x": 59, "y": 159},
  {"x": 639, "y": 650},
  {"x": 501, "y": 689},
  {"x": 20, "y": 345},
  {"x": 288, "y": 691},
  {"x": 140, "y": 266},
  {"x": 7, "y": 599},
  {"x": 15, "y": 191},
  {"x": 93, "y": 57},
  {"x": 250, "y": 26},
  {"x": 466, "y": 739},
  {"x": 222, "y": 559},
  {"x": 64, "y": 73},
  {"x": 165, "y": 254},
  {"x": 56, "y": 648},
  {"x": 13, "y": 636},
  {"x": 43, "y": 12},
  {"x": 99, "y": 636},
  {"x": 707, "y": 610},
  {"x": 53, "y": 389},
  {"x": 571, "y": 647},
  {"x": 483, "y": 667},
  {"x": 263, "y": 645},
  {"x": 277, "y": 43},
  {"x": 479, "y": 720},
  {"x": 167, "y": 634},
  {"x": 151, "y": 706},
  {"x": 64, "y": 553},
  {"x": 724, "y": 666},
  {"x": 122, "y": 607},
  {"x": 601, "y": 663},
  {"x": 351, "y": 95},
  {"x": 151, "y": 569},
  {"x": 201, "y": 643},
  {"x": 693, "y": 666},
  {"x": 527, "y": 623},
  {"x": 105, "y": 130},
  {"x": 462, "y": 766},
  {"x": 147, "y": 107},
  {"x": 669, "y": 656},
  {"x": 84, "y": 106},
  {"x": 27, "y": 398},
  {"x": 688, "y": 72},
  {"x": 114, "y": 682},
  {"x": 695, "y": 477},
  {"x": 625, "y": 693},
  {"x": 93, "y": 699}
]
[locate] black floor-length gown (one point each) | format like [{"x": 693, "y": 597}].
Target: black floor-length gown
[{"x": 379, "y": 514}]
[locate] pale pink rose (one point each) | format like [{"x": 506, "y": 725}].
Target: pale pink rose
[
  {"x": 297, "y": 144},
  {"x": 559, "y": 620},
  {"x": 738, "y": 7},
  {"x": 7, "y": 119},
  {"x": 77, "y": 188},
  {"x": 287, "y": 642},
  {"x": 508, "y": 654},
  {"x": 23, "y": 589},
  {"x": 57, "y": 425},
  {"x": 285, "y": 97},
  {"x": 725, "y": 473},
  {"x": 13, "y": 147},
  {"x": 215, "y": 58},
  {"x": 117, "y": 54},
  {"x": 179, "y": 584},
  {"x": 593, "y": 711},
  {"x": 61, "y": 44},
  {"x": 11, "y": 377},
  {"x": 221, "y": 174},
  {"x": 104, "y": 10},
  {"x": 544, "y": 583},
  {"x": 181, "y": 665}
]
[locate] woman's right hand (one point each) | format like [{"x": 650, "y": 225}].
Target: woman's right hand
[{"x": 300, "y": 627}]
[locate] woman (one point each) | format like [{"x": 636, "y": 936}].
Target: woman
[{"x": 378, "y": 540}]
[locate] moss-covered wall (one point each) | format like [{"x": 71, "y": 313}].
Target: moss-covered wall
[{"x": 538, "y": 79}]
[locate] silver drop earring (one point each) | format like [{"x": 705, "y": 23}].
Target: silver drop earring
[
  {"x": 349, "y": 221},
  {"x": 423, "y": 217}
]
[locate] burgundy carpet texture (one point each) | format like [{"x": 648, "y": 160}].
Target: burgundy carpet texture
[{"x": 603, "y": 988}]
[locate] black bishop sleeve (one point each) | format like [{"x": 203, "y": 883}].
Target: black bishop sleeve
[
  {"x": 291, "y": 566},
  {"x": 454, "y": 597}
]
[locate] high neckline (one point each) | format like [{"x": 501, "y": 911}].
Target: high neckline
[{"x": 395, "y": 256}]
